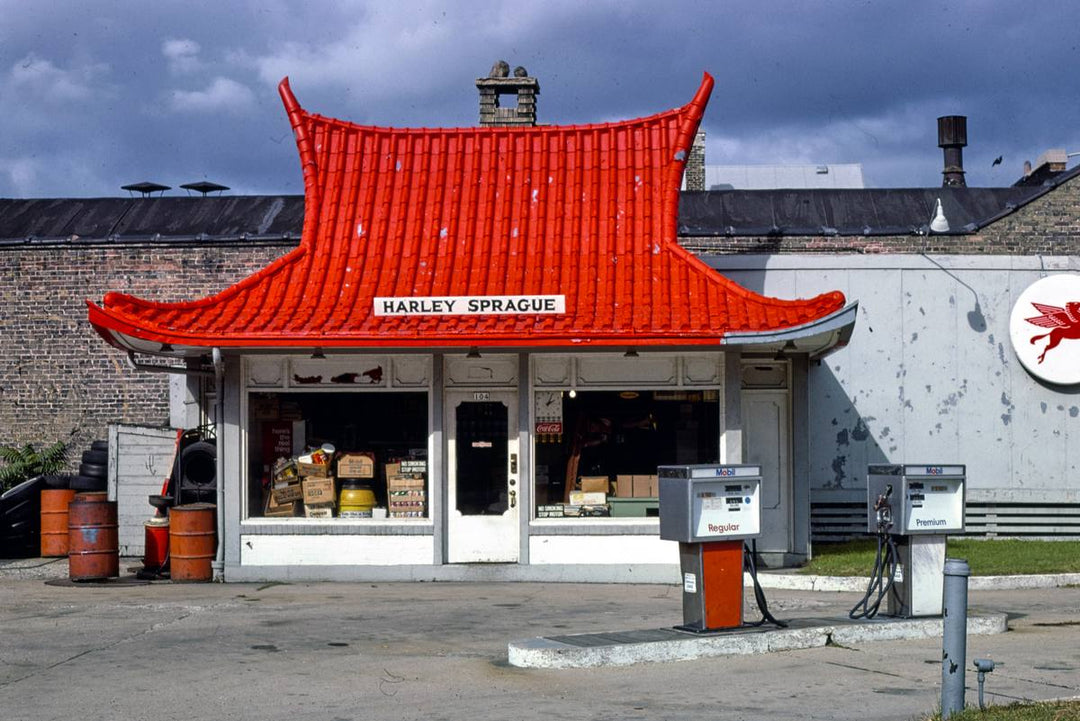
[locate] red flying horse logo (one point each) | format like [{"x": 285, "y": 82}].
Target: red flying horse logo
[{"x": 1063, "y": 322}]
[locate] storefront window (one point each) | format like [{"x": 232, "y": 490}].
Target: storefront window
[
  {"x": 597, "y": 451},
  {"x": 359, "y": 455}
]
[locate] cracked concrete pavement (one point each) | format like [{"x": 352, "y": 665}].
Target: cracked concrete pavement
[{"x": 431, "y": 651}]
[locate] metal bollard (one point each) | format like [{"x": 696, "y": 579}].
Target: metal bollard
[{"x": 954, "y": 635}]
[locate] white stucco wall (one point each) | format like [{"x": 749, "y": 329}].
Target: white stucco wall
[{"x": 930, "y": 375}]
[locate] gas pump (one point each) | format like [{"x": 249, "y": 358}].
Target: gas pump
[
  {"x": 710, "y": 510},
  {"x": 910, "y": 509}
]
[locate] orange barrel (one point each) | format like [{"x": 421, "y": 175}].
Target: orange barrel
[
  {"x": 54, "y": 521},
  {"x": 93, "y": 542},
  {"x": 93, "y": 496},
  {"x": 192, "y": 533},
  {"x": 156, "y": 554}
]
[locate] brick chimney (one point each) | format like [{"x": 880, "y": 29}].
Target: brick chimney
[
  {"x": 500, "y": 87},
  {"x": 952, "y": 137},
  {"x": 694, "y": 177}
]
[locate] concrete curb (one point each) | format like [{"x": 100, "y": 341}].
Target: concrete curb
[
  {"x": 800, "y": 582},
  {"x": 549, "y": 653}
]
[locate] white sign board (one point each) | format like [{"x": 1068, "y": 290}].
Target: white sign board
[
  {"x": 471, "y": 305},
  {"x": 724, "y": 509},
  {"x": 1045, "y": 329}
]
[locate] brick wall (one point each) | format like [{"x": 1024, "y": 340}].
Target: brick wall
[{"x": 58, "y": 379}]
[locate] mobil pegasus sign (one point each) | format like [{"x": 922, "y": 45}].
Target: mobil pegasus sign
[{"x": 1045, "y": 329}]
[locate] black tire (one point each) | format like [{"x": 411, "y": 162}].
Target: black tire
[
  {"x": 198, "y": 465},
  {"x": 23, "y": 500},
  {"x": 100, "y": 446},
  {"x": 19, "y": 546},
  {"x": 99, "y": 457},
  {"x": 58, "y": 481},
  {"x": 93, "y": 469},
  {"x": 88, "y": 483}
]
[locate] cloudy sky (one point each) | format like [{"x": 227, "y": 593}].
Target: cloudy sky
[{"x": 95, "y": 95}]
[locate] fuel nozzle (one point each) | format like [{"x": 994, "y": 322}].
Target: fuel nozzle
[{"x": 883, "y": 510}]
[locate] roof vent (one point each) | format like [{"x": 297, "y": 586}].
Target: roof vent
[
  {"x": 204, "y": 187},
  {"x": 498, "y": 84},
  {"x": 952, "y": 137},
  {"x": 146, "y": 188}
]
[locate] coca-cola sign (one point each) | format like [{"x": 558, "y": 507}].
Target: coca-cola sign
[{"x": 549, "y": 427}]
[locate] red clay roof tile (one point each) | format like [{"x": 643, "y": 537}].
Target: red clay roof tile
[{"x": 587, "y": 212}]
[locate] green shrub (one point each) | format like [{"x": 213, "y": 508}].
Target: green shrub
[{"x": 21, "y": 464}]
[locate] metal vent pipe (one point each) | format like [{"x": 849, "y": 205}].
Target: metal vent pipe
[{"x": 952, "y": 137}]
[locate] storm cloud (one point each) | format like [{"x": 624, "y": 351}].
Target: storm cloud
[{"x": 99, "y": 95}]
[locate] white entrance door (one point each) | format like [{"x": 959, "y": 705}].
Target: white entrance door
[
  {"x": 767, "y": 443},
  {"x": 484, "y": 491}
]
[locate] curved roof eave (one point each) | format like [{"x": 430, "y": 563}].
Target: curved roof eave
[{"x": 816, "y": 339}]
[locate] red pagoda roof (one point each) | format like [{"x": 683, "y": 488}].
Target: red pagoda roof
[{"x": 557, "y": 235}]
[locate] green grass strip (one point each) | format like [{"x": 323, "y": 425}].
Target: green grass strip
[
  {"x": 990, "y": 557},
  {"x": 1045, "y": 711}
]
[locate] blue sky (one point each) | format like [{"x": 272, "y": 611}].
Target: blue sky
[{"x": 98, "y": 95}]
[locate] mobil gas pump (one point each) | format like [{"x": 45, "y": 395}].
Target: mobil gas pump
[
  {"x": 910, "y": 508},
  {"x": 711, "y": 510}
]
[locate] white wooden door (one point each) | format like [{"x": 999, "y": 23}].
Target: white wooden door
[
  {"x": 484, "y": 491},
  {"x": 767, "y": 442}
]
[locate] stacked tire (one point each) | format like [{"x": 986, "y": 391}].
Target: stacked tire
[
  {"x": 20, "y": 506},
  {"x": 94, "y": 469}
]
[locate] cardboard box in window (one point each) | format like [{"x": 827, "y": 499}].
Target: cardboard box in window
[
  {"x": 319, "y": 511},
  {"x": 273, "y": 509},
  {"x": 318, "y": 491},
  {"x": 404, "y": 483},
  {"x": 587, "y": 498},
  {"x": 594, "y": 484},
  {"x": 287, "y": 492},
  {"x": 313, "y": 469},
  {"x": 356, "y": 465},
  {"x": 646, "y": 487},
  {"x": 624, "y": 486}
]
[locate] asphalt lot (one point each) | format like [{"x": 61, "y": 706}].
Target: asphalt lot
[{"x": 429, "y": 651}]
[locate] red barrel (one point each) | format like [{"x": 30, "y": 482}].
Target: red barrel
[
  {"x": 93, "y": 539},
  {"x": 156, "y": 554},
  {"x": 54, "y": 521},
  {"x": 192, "y": 536}
]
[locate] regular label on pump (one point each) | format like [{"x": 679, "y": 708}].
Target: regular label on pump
[{"x": 726, "y": 509}]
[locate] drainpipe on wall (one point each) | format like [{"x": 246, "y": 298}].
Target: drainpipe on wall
[{"x": 218, "y": 566}]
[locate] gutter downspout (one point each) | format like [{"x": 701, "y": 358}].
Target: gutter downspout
[{"x": 218, "y": 565}]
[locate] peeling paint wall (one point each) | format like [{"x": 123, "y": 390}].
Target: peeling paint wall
[{"x": 929, "y": 375}]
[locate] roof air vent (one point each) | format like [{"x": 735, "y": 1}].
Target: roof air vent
[
  {"x": 146, "y": 188},
  {"x": 204, "y": 187}
]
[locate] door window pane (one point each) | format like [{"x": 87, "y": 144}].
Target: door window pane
[{"x": 481, "y": 448}]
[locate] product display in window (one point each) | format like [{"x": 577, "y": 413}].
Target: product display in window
[
  {"x": 338, "y": 455},
  {"x": 597, "y": 451}
]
